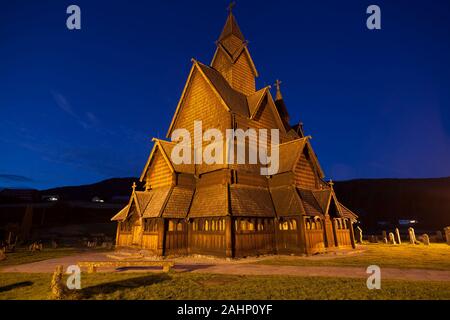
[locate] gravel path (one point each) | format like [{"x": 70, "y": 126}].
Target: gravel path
[{"x": 235, "y": 267}]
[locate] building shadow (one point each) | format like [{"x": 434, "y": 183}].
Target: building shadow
[
  {"x": 191, "y": 267},
  {"x": 16, "y": 285},
  {"x": 111, "y": 287}
]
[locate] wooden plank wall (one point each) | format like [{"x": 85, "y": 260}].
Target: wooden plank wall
[
  {"x": 206, "y": 242},
  {"x": 343, "y": 237},
  {"x": 125, "y": 239},
  {"x": 150, "y": 241},
  {"x": 305, "y": 175},
  {"x": 159, "y": 173},
  {"x": 315, "y": 241}
]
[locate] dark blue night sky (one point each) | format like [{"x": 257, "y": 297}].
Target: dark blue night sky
[{"x": 77, "y": 107}]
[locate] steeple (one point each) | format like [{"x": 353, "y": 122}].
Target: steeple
[
  {"x": 281, "y": 106},
  {"x": 231, "y": 37},
  {"x": 232, "y": 58}
]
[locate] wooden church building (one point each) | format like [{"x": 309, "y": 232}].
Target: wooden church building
[{"x": 231, "y": 210}]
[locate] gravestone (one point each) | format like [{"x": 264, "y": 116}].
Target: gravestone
[
  {"x": 412, "y": 236},
  {"x": 373, "y": 239},
  {"x": 392, "y": 238},
  {"x": 385, "y": 240},
  {"x": 58, "y": 291},
  {"x": 359, "y": 235},
  {"x": 397, "y": 236},
  {"x": 384, "y": 234},
  {"x": 447, "y": 235},
  {"x": 439, "y": 236},
  {"x": 426, "y": 239},
  {"x": 2, "y": 254}
]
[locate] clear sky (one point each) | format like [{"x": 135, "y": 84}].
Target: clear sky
[{"x": 77, "y": 107}]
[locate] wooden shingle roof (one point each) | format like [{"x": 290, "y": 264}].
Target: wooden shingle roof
[
  {"x": 286, "y": 201},
  {"x": 179, "y": 202},
  {"x": 346, "y": 212},
  {"x": 231, "y": 28},
  {"x": 236, "y": 101},
  {"x": 122, "y": 215},
  {"x": 289, "y": 154},
  {"x": 254, "y": 100},
  {"x": 312, "y": 207},
  {"x": 210, "y": 201},
  {"x": 249, "y": 201},
  {"x": 159, "y": 197}
]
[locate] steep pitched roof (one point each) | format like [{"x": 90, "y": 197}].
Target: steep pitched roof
[
  {"x": 289, "y": 154},
  {"x": 235, "y": 101},
  {"x": 323, "y": 198},
  {"x": 254, "y": 101},
  {"x": 250, "y": 201},
  {"x": 142, "y": 199},
  {"x": 286, "y": 201},
  {"x": 346, "y": 212},
  {"x": 179, "y": 202},
  {"x": 122, "y": 215},
  {"x": 157, "y": 203},
  {"x": 166, "y": 147},
  {"x": 312, "y": 207},
  {"x": 210, "y": 201},
  {"x": 231, "y": 28}
]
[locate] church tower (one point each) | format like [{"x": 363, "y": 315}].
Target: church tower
[{"x": 232, "y": 58}]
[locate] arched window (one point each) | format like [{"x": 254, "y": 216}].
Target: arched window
[
  {"x": 179, "y": 226},
  {"x": 294, "y": 224},
  {"x": 318, "y": 223},
  {"x": 171, "y": 225},
  {"x": 251, "y": 225},
  {"x": 206, "y": 225},
  {"x": 244, "y": 225}
]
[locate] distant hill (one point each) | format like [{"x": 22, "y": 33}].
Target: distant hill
[
  {"x": 106, "y": 190},
  {"x": 426, "y": 200}
]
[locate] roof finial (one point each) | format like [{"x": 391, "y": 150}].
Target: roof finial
[
  {"x": 331, "y": 183},
  {"x": 231, "y": 6},
  {"x": 277, "y": 85},
  {"x": 133, "y": 186}
]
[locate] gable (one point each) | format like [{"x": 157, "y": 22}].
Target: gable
[
  {"x": 243, "y": 77},
  {"x": 159, "y": 172},
  {"x": 265, "y": 116},
  {"x": 305, "y": 174},
  {"x": 200, "y": 103}
]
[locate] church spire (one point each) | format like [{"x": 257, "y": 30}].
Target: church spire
[
  {"x": 231, "y": 27},
  {"x": 232, "y": 58},
  {"x": 281, "y": 107},
  {"x": 277, "y": 85}
]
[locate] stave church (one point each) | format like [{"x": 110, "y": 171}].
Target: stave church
[{"x": 231, "y": 210}]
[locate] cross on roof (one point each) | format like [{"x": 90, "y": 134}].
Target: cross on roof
[
  {"x": 331, "y": 183},
  {"x": 231, "y": 6},
  {"x": 277, "y": 84},
  {"x": 134, "y": 186}
]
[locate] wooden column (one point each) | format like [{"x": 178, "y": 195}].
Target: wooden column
[
  {"x": 329, "y": 234},
  {"x": 302, "y": 235},
  {"x": 229, "y": 237},
  {"x": 118, "y": 233},
  {"x": 276, "y": 235},
  {"x": 352, "y": 234},
  {"x": 161, "y": 236}
]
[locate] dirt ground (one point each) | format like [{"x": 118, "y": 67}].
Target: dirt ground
[{"x": 236, "y": 267}]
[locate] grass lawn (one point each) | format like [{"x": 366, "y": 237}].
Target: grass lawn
[
  {"x": 435, "y": 256},
  {"x": 210, "y": 286}
]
